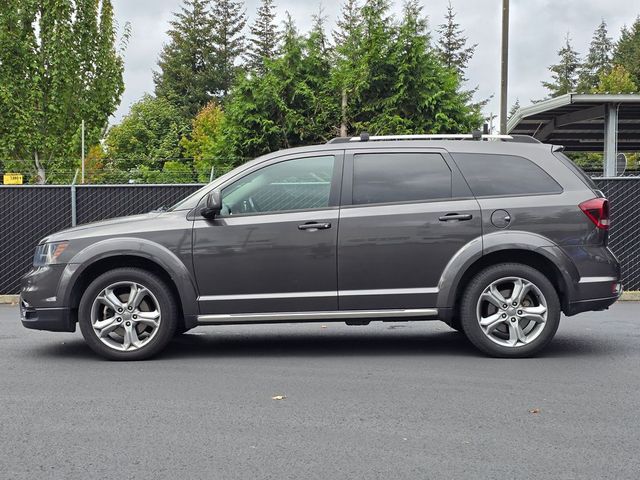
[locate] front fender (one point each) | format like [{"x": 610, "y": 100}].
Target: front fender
[
  {"x": 137, "y": 247},
  {"x": 495, "y": 242}
]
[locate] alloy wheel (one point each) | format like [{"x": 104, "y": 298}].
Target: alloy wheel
[
  {"x": 125, "y": 316},
  {"x": 512, "y": 311}
]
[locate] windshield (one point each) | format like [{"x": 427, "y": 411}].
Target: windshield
[{"x": 192, "y": 200}]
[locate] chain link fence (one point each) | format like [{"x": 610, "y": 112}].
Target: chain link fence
[{"x": 30, "y": 213}]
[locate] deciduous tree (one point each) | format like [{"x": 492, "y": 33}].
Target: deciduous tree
[{"x": 60, "y": 65}]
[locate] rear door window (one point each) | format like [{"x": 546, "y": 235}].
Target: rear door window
[
  {"x": 400, "y": 177},
  {"x": 504, "y": 175}
]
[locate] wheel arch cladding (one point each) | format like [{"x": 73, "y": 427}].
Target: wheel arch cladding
[
  {"x": 129, "y": 252},
  {"x": 512, "y": 247}
]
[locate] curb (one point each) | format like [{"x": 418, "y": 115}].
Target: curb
[{"x": 633, "y": 296}]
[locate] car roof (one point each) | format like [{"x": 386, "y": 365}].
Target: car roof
[{"x": 453, "y": 146}]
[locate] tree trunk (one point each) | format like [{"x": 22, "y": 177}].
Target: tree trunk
[
  {"x": 343, "y": 124},
  {"x": 41, "y": 178}
]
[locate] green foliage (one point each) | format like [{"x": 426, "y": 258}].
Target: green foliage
[
  {"x": 285, "y": 107},
  {"x": 227, "y": 23},
  {"x": 452, "y": 44},
  {"x": 514, "y": 108},
  {"x": 424, "y": 96},
  {"x": 627, "y": 51},
  {"x": 565, "y": 72},
  {"x": 186, "y": 77},
  {"x": 618, "y": 80},
  {"x": 348, "y": 72},
  {"x": 598, "y": 60},
  {"x": 263, "y": 43},
  {"x": 60, "y": 65},
  {"x": 204, "y": 142},
  {"x": 151, "y": 131}
]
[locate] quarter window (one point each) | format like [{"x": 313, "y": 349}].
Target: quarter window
[
  {"x": 400, "y": 177},
  {"x": 496, "y": 175},
  {"x": 298, "y": 184}
]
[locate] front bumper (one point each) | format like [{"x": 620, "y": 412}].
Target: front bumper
[{"x": 51, "y": 319}]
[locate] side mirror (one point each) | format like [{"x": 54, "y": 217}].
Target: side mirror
[{"x": 212, "y": 205}]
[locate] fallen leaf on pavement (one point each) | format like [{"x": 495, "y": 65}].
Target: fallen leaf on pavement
[
  {"x": 534, "y": 410},
  {"x": 279, "y": 397}
]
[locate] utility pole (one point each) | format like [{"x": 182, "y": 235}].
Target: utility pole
[
  {"x": 82, "y": 177},
  {"x": 504, "y": 67}
]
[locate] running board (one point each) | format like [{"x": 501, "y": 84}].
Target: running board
[{"x": 294, "y": 317}]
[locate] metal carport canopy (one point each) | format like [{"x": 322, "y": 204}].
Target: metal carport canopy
[{"x": 582, "y": 122}]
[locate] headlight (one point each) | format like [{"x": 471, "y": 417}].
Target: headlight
[{"x": 48, "y": 253}]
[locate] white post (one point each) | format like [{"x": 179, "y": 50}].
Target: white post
[
  {"x": 610, "y": 140},
  {"x": 82, "y": 151}
]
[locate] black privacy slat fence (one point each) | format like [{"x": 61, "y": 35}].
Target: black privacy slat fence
[{"x": 29, "y": 213}]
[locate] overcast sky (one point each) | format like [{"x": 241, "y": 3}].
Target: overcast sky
[{"x": 537, "y": 27}]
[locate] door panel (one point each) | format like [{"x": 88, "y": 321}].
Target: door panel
[
  {"x": 264, "y": 263},
  {"x": 398, "y": 252},
  {"x": 392, "y": 254},
  {"x": 273, "y": 249}
]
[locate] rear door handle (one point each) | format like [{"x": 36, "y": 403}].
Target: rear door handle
[
  {"x": 456, "y": 216},
  {"x": 314, "y": 226}
]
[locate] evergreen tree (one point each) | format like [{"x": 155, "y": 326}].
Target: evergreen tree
[
  {"x": 378, "y": 29},
  {"x": 565, "y": 72},
  {"x": 618, "y": 80},
  {"x": 263, "y": 43},
  {"x": 425, "y": 96},
  {"x": 348, "y": 69},
  {"x": 187, "y": 64},
  {"x": 289, "y": 105},
  {"x": 598, "y": 59},
  {"x": 452, "y": 44},
  {"x": 59, "y": 66},
  {"x": 627, "y": 52},
  {"x": 228, "y": 21},
  {"x": 514, "y": 108}
]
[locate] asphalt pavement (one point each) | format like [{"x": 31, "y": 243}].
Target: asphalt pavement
[{"x": 387, "y": 401}]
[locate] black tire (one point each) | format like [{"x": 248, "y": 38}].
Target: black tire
[
  {"x": 469, "y": 318},
  {"x": 166, "y": 303}
]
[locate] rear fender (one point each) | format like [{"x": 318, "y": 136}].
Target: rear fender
[{"x": 494, "y": 242}]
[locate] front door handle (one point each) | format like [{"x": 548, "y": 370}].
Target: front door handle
[
  {"x": 314, "y": 226},
  {"x": 456, "y": 216}
]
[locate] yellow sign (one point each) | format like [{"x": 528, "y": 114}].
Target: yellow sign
[{"x": 12, "y": 179}]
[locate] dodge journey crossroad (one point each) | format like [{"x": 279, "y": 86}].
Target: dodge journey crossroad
[{"x": 497, "y": 236}]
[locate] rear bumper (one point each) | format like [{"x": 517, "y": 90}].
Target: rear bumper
[
  {"x": 592, "y": 304},
  {"x": 51, "y": 319}
]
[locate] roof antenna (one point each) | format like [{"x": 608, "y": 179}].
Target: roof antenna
[{"x": 364, "y": 137}]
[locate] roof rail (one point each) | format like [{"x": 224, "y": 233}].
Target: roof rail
[{"x": 365, "y": 137}]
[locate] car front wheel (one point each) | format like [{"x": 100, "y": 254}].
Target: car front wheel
[
  {"x": 127, "y": 314},
  {"x": 510, "y": 310}
]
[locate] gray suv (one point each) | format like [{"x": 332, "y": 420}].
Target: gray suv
[{"x": 496, "y": 236}]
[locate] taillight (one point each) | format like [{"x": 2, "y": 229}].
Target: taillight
[{"x": 597, "y": 209}]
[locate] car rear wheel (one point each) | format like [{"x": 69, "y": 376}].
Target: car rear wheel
[
  {"x": 510, "y": 310},
  {"x": 127, "y": 314}
]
